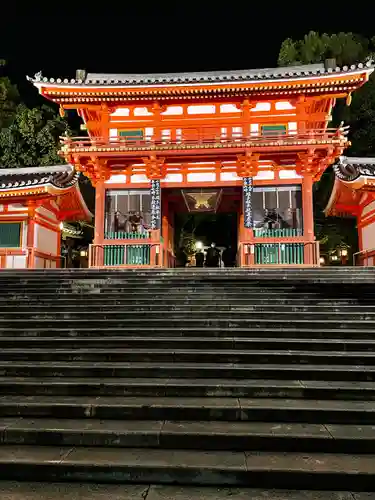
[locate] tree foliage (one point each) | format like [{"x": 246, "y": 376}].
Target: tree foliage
[
  {"x": 28, "y": 136},
  {"x": 32, "y": 137},
  {"x": 347, "y": 49}
]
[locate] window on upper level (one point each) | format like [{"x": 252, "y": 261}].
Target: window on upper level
[
  {"x": 131, "y": 134},
  {"x": 127, "y": 211},
  {"x": 277, "y": 208},
  {"x": 10, "y": 234},
  {"x": 273, "y": 129}
]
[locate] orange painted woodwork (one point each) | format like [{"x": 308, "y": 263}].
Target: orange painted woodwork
[
  {"x": 206, "y": 129},
  {"x": 39, "y": 199}
]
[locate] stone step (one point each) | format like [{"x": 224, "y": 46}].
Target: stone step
[
  {"x": 20, "y": 343},
  {"x": 240, "y": 327},
  {"x": 251, "y": 468},
  {"x": 187, "y": 370},
  {"x": 188, "y": 387},
  {"x": 278, "y": 330},
  {"x": 13, "y": 490},
  {"x": 182, "y": 285},
  {"x": 221, "y": 319},
  {"x": 319, "y": 289},
  {"x": 269, "y": 305},
  {"x": 119, "y": 301},
  {"x": 157, "y": 314},
  {"x": 196, "y": 355},
  {"x": 189, "y": 408},
  {"x": 189, "y": 435},
  {"x": 138, "y": 286},
  {"x": 166, "y": 322}
]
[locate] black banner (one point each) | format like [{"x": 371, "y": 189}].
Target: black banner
[
  {"x": 248, "y": 202},
  {"x": 155, "y": 204}
]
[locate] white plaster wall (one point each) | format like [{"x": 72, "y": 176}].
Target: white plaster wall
[
  {"x": 229, "y": 108},
  {"x": 142, "y": 112},
  {"x": 16, "y": 207},
  {"x": 139, "y": 178},
  {"x": 368, "y": 237},
  {"x": 262, "y": 106},
  {"x": 197, "y": 109},
  {"x": 173, "y": 110},
  {"x": 254, "y": 128},
  {"x": 16, "y": 262},
  {"x": 369, "y": 208},
  {"x": 24, "y": 234},
  {"x": 199, "y": 177},
  {"x": 265, "y": 175},
  {"x": 45, "y": 240},
  {"x": 292, "y": 128},
  {"x": 237, "y": 131},
  {"x": 284, "y": 105},
  {"x": 117, "y": 178},
  {"x": 229, "y": 176},
  {"x": 289, "y": 174},
  {"x": 173, "y": 178},
  {"x": 149, "y": 132},
  {"x": 166, "y": 134},
  {"x": 121, "y": 112}
]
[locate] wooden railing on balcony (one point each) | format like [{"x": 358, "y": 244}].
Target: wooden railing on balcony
[
  {"x": 33, "y": 259},
  {"x": 364, "y": 258},
  {"x": 113, "y": 144}
]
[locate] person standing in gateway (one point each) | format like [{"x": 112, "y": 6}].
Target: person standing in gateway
[{"x": 213, "y": 256}]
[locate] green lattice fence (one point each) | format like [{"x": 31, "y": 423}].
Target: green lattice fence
[
  {"x": 136, "y": 255},
  {"x": 277, "y": 233},
  {"x": 283, "y": 253},
  {"x": 122, "y": 235}
]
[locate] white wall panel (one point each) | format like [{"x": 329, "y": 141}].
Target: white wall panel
[
  {"x": 45, "y": 240},
  {"x": 368, "y": 237},
  {"x": 16, "y": 262}
]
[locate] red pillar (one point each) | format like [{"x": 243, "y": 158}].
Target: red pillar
[
  {"x": 30, "y": 243},
  {"x": 99, "y": 213},
  {"x": 308, "y": 218},
  {"x": 97, "y": 253}
]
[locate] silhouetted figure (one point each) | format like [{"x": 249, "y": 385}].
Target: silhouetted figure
[
  {"x": 229, "y": 257},
  {"x": 199, "y": 258},
  {"x": 181, "y": 258},
  {"x": 213, "y": 256}
]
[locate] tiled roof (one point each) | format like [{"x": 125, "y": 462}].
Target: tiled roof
[
  {"x": 348, "y": 168},
  {"x": 60, "y": 176},
  {"x": 302, "y": 71}
]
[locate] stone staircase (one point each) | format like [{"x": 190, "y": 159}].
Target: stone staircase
[{"x": 237, "y": 378}]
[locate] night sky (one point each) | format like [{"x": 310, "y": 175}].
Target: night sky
[{"x": 58, "y": 37}]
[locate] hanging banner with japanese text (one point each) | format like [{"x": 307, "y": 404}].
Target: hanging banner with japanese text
[
  {"x": 248, "y": 201},
  {"x": 155, "y": 204}
]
